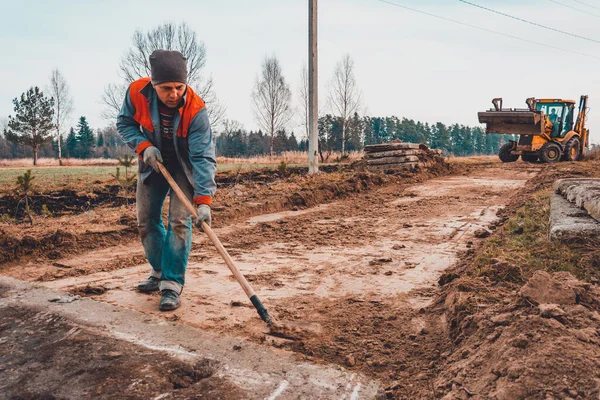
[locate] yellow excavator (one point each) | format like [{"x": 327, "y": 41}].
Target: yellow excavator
[{"x": 545, "y": 129}]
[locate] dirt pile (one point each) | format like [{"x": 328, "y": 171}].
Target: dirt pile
[
  {"x": 12, "y": 248},
  {"x": 55, "y": 245},
  {"x": 243, "y": 200},
  {"x": 327, "y": 191},
  {"x": 75, "y": 221},
  {"x": 64, "y": 201},
  {"x": 542, "y": 341}
]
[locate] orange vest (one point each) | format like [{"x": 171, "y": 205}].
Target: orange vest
[{"x": 193, "y": 105}]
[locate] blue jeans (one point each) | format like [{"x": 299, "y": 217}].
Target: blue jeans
[{"x": 166, "y": 251}]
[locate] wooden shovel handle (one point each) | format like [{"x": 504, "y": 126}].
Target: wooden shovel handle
[{"x": 209, "y": 232}]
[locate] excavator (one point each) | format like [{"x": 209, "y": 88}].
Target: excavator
[{"x": 545, "y": 129}]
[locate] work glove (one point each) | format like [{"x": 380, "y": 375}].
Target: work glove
[
  {"x": 203, "y": 215},
  {"x": 152, "y": 156}
]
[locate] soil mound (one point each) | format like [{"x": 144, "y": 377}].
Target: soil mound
[
  {"x": 64, "y": 201},
  {"x": 543, "y": 342}
]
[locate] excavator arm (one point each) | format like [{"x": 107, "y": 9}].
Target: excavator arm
[{"x": 581, "y": 117}]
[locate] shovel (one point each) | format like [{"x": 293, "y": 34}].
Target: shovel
[{"x": 262, "y": 311}]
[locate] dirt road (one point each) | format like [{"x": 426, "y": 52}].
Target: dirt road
[
  {"x": 362, "y": 268},
  {"x": 387, "y": 245},
  {"x": 409, "y": 296}
]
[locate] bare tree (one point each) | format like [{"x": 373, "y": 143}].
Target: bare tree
[
  {"x": 63, "y": 105},
  {"x": 304, "y": 100},
  {"x": 272, "y": 99},
  {"x": 344, "y": 94},
  {"x": 135, "y": 64},
  {"x": 231, "y": 125},
  {"x": 303, "y": 94},
  {"x": 113, "y": 100}
]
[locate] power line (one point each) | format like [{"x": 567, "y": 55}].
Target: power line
[
  {"x": 528, "y": 22},
  {"x": 487, "y": 30},
  {"x": 575, "y": 8},
  {"x": 586, "y": 4}
]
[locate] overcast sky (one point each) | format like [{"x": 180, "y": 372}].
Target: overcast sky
[{"x": 407, "y": 64}]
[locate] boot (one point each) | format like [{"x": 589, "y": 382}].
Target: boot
[
  {"x": 169, "y": 300},
  {"x": 149, "y": 285}
]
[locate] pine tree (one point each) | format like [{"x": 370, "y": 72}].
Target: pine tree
[
  {"x": 85, "y": 138},
  {"x": 238, "y": 140},
  {"x": 428, "y": 134},
  {"x": 280, "y": 141},
  {"x": 292, "y": 143},
  {"x": 32, "y": 124},
  {"x": 71, "y": 145},
  {"x": 258, "y": 143},
  {"x": 100, "y": 142},
  {"x": 441, "y": 138},
  {"x": 456, "y": 136},
  {"x": 325, "y": 127},
  {"x": 377, "y": 126},
  {"x": 24, "y": 184},
  {"x": 369, "y": 137},
  {"x": 355, "y": 133}
]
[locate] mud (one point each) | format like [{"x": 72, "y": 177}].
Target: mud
[
  {"x": 102, "y": 194},
  {"x": 63, "y": 201},
  {"x": 98, "y": 216},
  {"x": 362, "y": 268},
  {"x": 382, "y": 263},
  {"x": 58, "y": 245},
  {"x": 48, "y": 357}
]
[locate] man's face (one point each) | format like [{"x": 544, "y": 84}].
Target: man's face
[{"x": 170, "y": 93}]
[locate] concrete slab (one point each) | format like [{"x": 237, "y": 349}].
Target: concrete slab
[
  {"x": 568, "y": 222},
  {"x": 264, "y": 372},
  {"x": 584, "y": 193}
]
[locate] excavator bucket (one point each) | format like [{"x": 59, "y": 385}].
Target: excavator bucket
[{"x": 514, "y": 121}]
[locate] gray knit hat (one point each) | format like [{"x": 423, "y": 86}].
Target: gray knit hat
[{"x": 167, "y": 66}]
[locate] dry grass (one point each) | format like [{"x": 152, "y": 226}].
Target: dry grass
[
  {"x": 593, "y": 153},
  {"x": 523, "y": 242},
  {"x": 471, "y": 160},
  {"x": 53, "y": 162},
  {"x": 289, "y": 157}
]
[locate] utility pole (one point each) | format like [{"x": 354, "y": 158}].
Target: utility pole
[{"x": 313, "y": 90}]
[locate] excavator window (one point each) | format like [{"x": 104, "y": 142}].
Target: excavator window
[
  {"x": 568, "y": 125},
  {"x": 555, "y": 114}
]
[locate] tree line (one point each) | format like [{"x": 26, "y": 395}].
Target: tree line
[
  {"x": 81, "y": 142},
  {"x": 39, "y": 125},
  {"x": 455, "y": 139}
]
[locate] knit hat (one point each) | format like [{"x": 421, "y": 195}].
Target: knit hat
[{"x": 167, "y": 66}]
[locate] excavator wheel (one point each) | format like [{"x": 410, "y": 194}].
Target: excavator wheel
[
  {"x": 505, "y": 153},
  {"x": 572, "y": 150},
  {"x": 529, "y": 157},
  {"x": 550, "y": 153}
]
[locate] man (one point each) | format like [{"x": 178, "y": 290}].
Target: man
[
  {"x": 553, "y": 117},
  {"x": 164, "y": 121}
]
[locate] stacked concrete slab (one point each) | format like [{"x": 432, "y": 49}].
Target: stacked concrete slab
[
  {"x": 575, "y": 209},
  {"x": 396, "y": 155}
]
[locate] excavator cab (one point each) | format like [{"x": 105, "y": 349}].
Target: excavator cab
[
  {"x": 545, "y": 129},
  {"x": 560, "y": 115}
]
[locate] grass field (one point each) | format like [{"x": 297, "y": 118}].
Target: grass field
[{"x": 52, "y": 177}]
